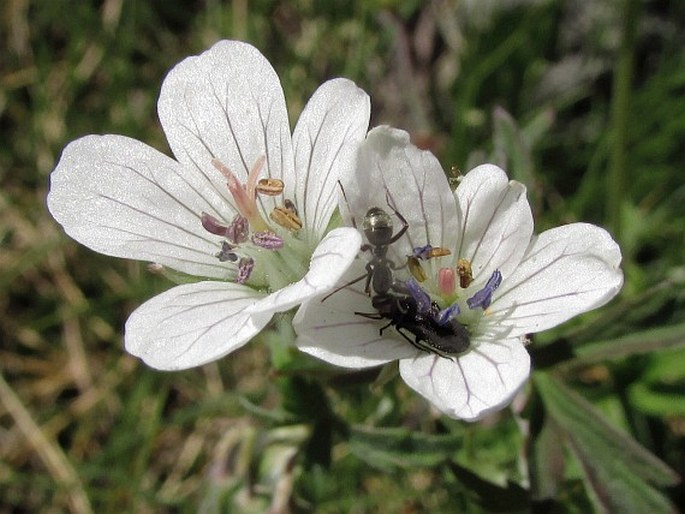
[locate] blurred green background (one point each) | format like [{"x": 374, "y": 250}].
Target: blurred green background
[{"x": 582, "y": 101}]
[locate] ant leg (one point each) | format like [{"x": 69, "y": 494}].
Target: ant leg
[
  {"x": 351, "y": 282},
  {"x": 380, "y": 332},
  {"x": 405, "y": 224},
  {"x": 369, "y": 315},
  {"x": 369, "y": 276},
  {"x": 364, "y": 248}
]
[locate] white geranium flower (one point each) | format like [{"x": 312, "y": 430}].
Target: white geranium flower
[
  {"x": 207, "y": 214},
  {"x": 499, "y": 280}
]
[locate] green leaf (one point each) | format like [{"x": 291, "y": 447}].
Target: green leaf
[
  {"x": 389, "y": 448},
  {"x": 659, "y": 392},
  {"x": 492, "y": 497},
  {"x": 513, "y": 147},
  {"x": 537, "y": 129},
  {"x": 546, "y": 457},
  {"x": 656, "y": 403},
  {"x": 643, "y": 342},
  {"x": 618, "y": 471},
  {"x": 667, "y": 368},
  {"x": 511, "y": 150}
]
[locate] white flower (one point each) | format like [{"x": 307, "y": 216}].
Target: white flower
[
  {"x": 225, "y": 118},
  {"x": 485, "y": 224}
]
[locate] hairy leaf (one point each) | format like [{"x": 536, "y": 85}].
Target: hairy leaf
[{"x": 618, "y": 471}]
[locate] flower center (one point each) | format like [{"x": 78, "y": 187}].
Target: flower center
[
  {"x": 450, "y": 286},
  {"x": 267, "y": 256}
]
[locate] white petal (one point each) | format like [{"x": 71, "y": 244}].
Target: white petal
[
  {"x": 121, "y": 197},
  {"x": 193, "y": 324},
  {"x": 497, "y": 222},
  {"x": 329, "y": 262},
  {"x": 227, "y": 103},
  {"x": 480, "y": 382},
  {"x": 415, "y": 184},
  {"x": 566, "y": 271},
  {"x": 326, "y": 141},
  {"x": 331, "y": 331}
]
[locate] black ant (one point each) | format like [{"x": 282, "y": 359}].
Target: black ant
[{"x": 378, "y": 229}]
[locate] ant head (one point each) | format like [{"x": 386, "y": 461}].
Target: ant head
[{"x": 377, "y": 226}]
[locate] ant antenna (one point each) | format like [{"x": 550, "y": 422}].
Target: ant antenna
[{"x": 347, "y": 203}]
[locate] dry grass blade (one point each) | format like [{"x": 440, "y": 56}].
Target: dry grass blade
[{"x": 49, "y": 451}]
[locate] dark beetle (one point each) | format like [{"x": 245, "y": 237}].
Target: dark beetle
[{"x": 447, "y": 339}]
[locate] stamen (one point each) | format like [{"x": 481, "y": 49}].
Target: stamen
[
  {"x": 423, "y": 301},
  {"x": 238, "y": 230},
  {"x": 245, "y": 267},
  {"x": 429, "y": 252},
  {"x": 290, "y": 205},
  {"x": 483, "y": 298},
  {"x": 446, "y": 281},
  {"x": 267, "y": 239},
  {"x": 415, "y": 268},
  {"x": 270, "y": 186},
  {"x": 438, "y": 251},
  {"x": 465, "y": 273},
  {"x": 226, "y": 253},
  {"x": 445, "y": 315},
  {"x": 421, "y": 252},
  {"x": 213, "y": 225},
  {"x": 286, "y": 218}
]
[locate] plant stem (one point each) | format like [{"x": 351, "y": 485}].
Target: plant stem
[{"x": 620, "y": 116}]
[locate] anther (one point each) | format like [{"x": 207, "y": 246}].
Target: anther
[
  {"x": 286, "y": 218},
  {"x": 415, "y": 268},
  {"x": 213, "y": 225},
  {"x": 270, "y": 186},
  {"x": 423, "y": 301},
  {"x": 245, "y": 267},
  {"x": 267, "y": 239},
  {"x": 238, "y": 230},
  {"x": 226, "y": 253},
  {"x": 429, "y": 252},
  {"x": 290, "y": 205},
  {"x": 483, "y": 298},
  {"x": 446, "y": 314},
  {"x": 465, "y": 273},
  {"x": 421, "y": 252}
]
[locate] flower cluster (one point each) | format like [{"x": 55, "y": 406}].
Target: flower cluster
[{"x": 246, "y": 208}]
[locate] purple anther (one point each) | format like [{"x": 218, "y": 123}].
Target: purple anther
[
  {"x": 422, "y": 252},
  {"x": 268, "y": 240},
  {"x": 226, "y": 253},
  {"x": 423, "y": 301},
  {"x": 238, "y": 230},
  {"x": 245, "y": 266},
  {"x": 442, "y": 317},
  {"x": 213, "y": 225},
  {"x": 483, "y": 297}
]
